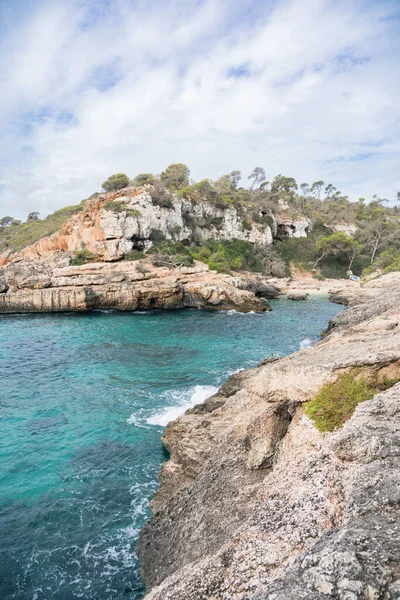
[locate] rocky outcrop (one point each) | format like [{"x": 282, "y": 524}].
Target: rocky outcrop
[
  {"x": 297, "y": 295},
  {"x": 347, "y": 228},
  {"x": 111, "y": 224},
  {"x": 46, "y": 286},
  {"x": 255, "y": 503}
]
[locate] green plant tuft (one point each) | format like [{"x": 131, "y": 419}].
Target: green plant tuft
[
  {"x": 335, "y": 402},
  {"x": 134, "y": 255},
  {"x": 81, "y": 257},
  {"x": 119, "y": 207}
]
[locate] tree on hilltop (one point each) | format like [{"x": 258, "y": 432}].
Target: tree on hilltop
[
  {"x": 33, "y": 216},
  {"x": 317, "y": 187},
  {"x": 176, "y": 176},
  {"x": 143, "y": 179},
  {"x": 115, "y": 182},
  {"x": 282, "y": 184},
  {"x": 5, "y": 222},
  {"x": 257, "y": 175}
]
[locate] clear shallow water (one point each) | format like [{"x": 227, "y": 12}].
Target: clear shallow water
[{"x": 83, "y": 402}]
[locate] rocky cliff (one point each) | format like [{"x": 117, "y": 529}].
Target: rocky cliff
[
  {"x": 39, "y": 278},
  {"x": 255, "y": 503},
  {"x": 112, "y": 224}
]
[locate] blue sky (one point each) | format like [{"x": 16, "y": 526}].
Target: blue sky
[{"x": 307, "y": 88}]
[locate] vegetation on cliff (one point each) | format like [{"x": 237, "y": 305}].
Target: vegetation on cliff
[
  {"x": 343, "y": 236},
  {"x": 336, "y": 402},
  {"x": 16, "y": 235},
  {"x": 223, "y": 256}
]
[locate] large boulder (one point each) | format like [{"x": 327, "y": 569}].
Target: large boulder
[{"x": 297, "y": 295}]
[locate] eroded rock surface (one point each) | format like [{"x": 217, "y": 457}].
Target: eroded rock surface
[
  {"x": 30, "y": 285},
  {"x": 256, "y": 504}
]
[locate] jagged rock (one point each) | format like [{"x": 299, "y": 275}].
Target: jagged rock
[
  {"x": 259, "y": 286},
  {"x": 320, "y": 518}
]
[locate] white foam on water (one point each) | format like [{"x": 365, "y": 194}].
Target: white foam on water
[
  {"x": 185, "y": 400},
  {"x": 238, "y": 313},
  {"x": 306, "y": 343},
  {"x": 136, "y": 420}
]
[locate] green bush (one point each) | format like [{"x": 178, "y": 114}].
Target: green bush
[
  {"x": 174, "y": 231},
  {"x": 168, "y": 257},
  {"x": 115, "y": 182},
  {"x": 176, "y": 176},
  {"x": 119, "y": 207},
  {"x": 211, "y": 221},
  {"x": 262, "y": 219},
  {"x": 81, "y": 257},
  {"x": 246, "y": 225},
  {"x": 303, "y": 251},
  {"x": 335, "y": 402},
  {"x": 388, "y": 261},
  {"x": 224, "y": 256},
  {"x": 225, "y": 201},
  {"x": 156, "y": 236},
  {"x": 189, "y": 220},
  {"x": 134, "y": 255},
  {"x": 335, "y": 267},
  {"x": 143, "y": 179}
]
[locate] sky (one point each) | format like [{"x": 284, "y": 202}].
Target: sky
[{"x": 306, "y": 88}]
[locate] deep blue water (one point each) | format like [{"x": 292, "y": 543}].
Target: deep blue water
[{"x": 83, "y": 401}]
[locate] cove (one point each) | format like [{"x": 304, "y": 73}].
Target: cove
[{"x": 83, "y": 402}]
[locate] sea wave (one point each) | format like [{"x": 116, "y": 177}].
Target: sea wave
[
  {"x": 306, "y": 343},
  {"x": 184, "y": 400}
]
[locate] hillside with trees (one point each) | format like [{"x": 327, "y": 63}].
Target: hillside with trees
[{"x": 343, "y": 237}]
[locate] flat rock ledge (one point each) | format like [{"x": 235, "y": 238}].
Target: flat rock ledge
[
  {"x": 29, "y": 285},
  {"x": 256, "y": 504}
]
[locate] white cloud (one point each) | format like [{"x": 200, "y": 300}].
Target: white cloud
[{"x": 308, "y": 88}]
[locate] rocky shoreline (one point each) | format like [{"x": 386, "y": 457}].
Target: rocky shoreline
[
  {"x": 52, "y": 285},
  {"x": 108, "y": 227},
  {"x": 256, "y": 503},
  {"x": 45, "y": 286}
]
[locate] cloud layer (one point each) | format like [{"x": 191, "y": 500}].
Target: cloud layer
[{"x": 307, "y": 88}]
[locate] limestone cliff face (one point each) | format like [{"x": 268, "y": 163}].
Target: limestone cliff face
[
  {"x": 112, "y": 224},
  {"x": 256, "y": 504}
]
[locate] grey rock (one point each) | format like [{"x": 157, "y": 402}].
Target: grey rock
[
  {"x": 297, "y": 295},
  {"x": 256, "y": 504}
]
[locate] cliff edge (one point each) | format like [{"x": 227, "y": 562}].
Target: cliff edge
[{"x": 256, "y": 503}]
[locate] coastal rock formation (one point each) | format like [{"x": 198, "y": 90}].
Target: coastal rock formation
[
  {"x": 256, "y": 504},
  {"x": 111, "y": 224},
  {"x": 51, "y": 286}
]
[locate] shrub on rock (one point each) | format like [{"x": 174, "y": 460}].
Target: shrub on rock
[{"x": 115, "y": 182}]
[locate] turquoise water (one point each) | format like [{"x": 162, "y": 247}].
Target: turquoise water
[{"x": 83, "y": 402}]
